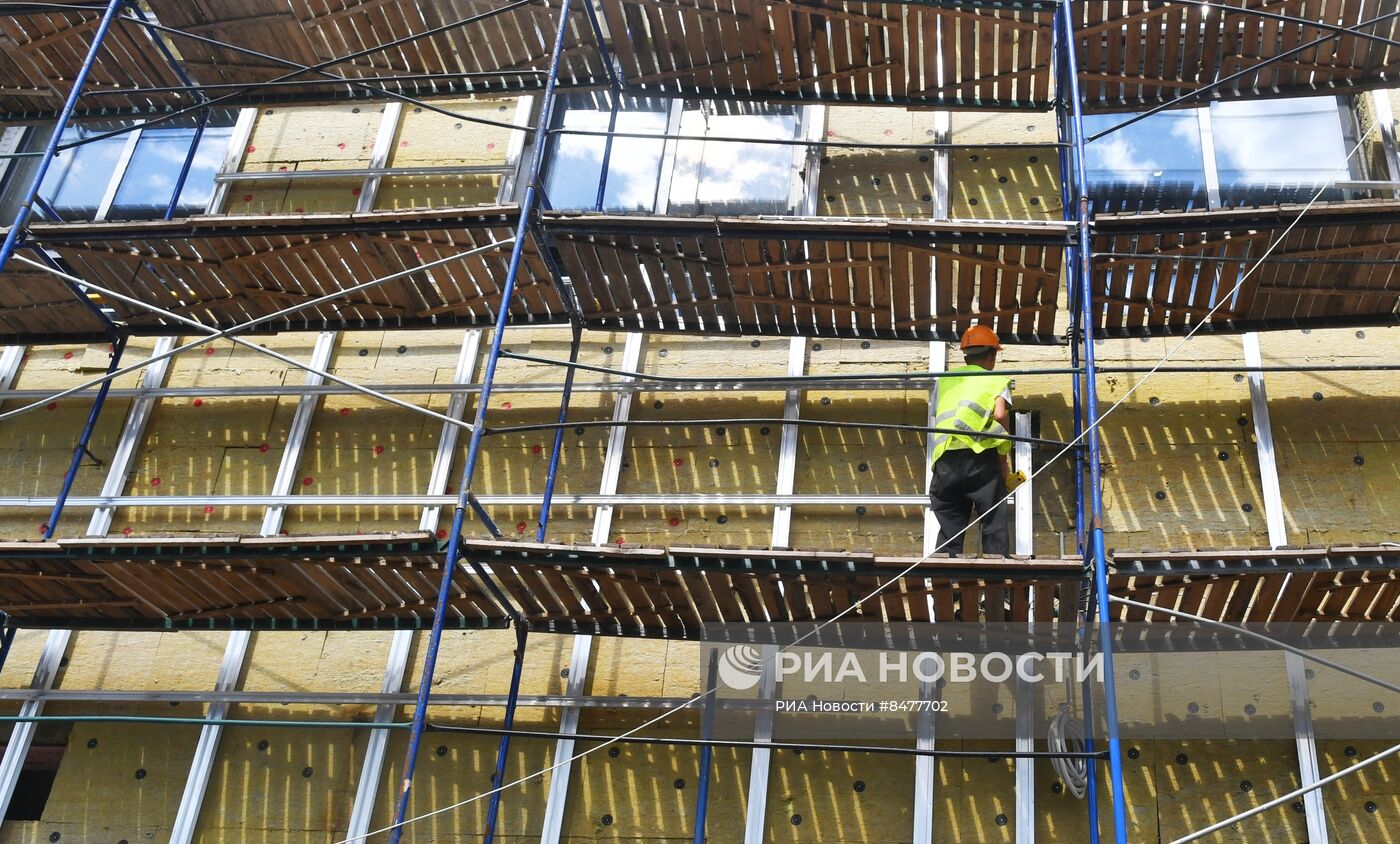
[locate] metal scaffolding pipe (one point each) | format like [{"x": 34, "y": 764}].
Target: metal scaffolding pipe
[
  {"x": 707, "y": 750},
  {"x": 1094, "y": 508},
  {"x": 220, "y": 722},
  {"x": 556, "y": 450},
  {"x": 795, "y": 142},
  {"x": 773, "y": 420},
  {"x": 785, "y": 381},
  {"x": 527, "y": 204},
  {"x": 1285, "y": 799},
  {"x": 1067, "y": 203},
  {"x": 50, "y": 528},
  {"x": 739, "y": 744},
  {"x": 493, "y": 810}
]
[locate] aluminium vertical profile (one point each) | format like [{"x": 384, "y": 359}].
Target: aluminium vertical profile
[
  {"x": 807, "y": 161},
  {"x": 296, "y": 435},
  {"x": 236, "y": 651},
  {"x": 926, "y": 766},
  {"x": 10, "y": 359},
  {"x": 104, "y": 205},
  {"x": 787, "y": 450},
  {"x": 553, "y": 824},
  {"x": 1385, "y": 121},
  {"x": 583, "y": 644},
  {"x": 1212, "y": 170},
  {"x": 447, "y": 439},
  {"x": 755, "y": 822},
  {"x": 396, "y": 666},
  {"x": 761, "y": 758},
  {"x": 233, "y": 157},
  {"x": 379, "y": 158},
  {"x": 1303, "y": 737},
  {"x": 1025, "y": 691},
  {"x": 367, "y": 789},
  {"x": 206, "y": 751},
  {"x": 617, "y": 437},
  {"x": 662, "y": 202},
  {"x": 515, "y": 151},
  {"x": 11, "y": 138},
  {"x": 133, "y": 432},
  {"x": 942, "y": 160}
]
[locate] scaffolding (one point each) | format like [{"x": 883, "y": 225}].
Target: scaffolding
[{"x": 793, "y": 277}]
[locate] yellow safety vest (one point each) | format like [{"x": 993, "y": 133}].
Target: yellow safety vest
[{"x": 967, "y": 404}]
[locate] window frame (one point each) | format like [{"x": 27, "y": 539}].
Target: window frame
[
  {"x": 803, "y": 166},
  {"x": 15, "y": 136}
]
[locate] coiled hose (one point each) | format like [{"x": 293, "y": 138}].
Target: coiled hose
[{"x": 1066, "y": 735}]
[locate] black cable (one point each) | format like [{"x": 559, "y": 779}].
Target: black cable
[{"x": 750, "y": 421}]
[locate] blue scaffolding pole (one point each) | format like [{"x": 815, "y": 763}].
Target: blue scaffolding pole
[
  {"x": 1069, "y": 208},
  {"x": 1095, "y": 556},
  {"x": 16, "y": 233},
  {"x": 464, "y": 494},
  {"x": 50, "y": 528}
]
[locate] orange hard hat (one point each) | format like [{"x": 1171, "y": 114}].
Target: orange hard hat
[{"x": 980, "y": 335}]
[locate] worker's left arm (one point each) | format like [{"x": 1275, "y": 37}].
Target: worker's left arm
[{"x": 1002, "y": 414}]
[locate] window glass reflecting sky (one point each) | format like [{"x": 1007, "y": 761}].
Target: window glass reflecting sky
[
  {"x": 1156, "y": 163},
  {"x": 155, "y": 167},
  {"x": 713, "y": 177},
  {"x": 1266, "y": 152},
  {"x": 634, "y": 164},
  {"x": 702, "y": 176},
  {"x": 78, "y": 178},
  {"x": 1278, "y": 150}
]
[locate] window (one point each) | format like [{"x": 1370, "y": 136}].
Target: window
[
  {"x": 1160, "y": 163},
  {"x": 130, "y": 176},
  {"x": 1257, "y": 169},
  {"x": 634, "y": 164},
  {"x": 696, "y": 176},
  {"x": 1156, "y": 164},
  {"x": 149, "y": 180},
  {"x": 720, "y": 177}
]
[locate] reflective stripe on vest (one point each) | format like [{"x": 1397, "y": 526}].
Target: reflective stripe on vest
[{"x": 966, "y": 404}]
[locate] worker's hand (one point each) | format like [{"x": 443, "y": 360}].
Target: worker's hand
[{"x": 1014, "y": 480}]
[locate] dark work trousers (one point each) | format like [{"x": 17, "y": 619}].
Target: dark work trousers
[{"x": 963, "y": 479}]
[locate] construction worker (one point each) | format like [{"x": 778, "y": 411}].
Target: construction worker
[{"x": 971, "y": 470}]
